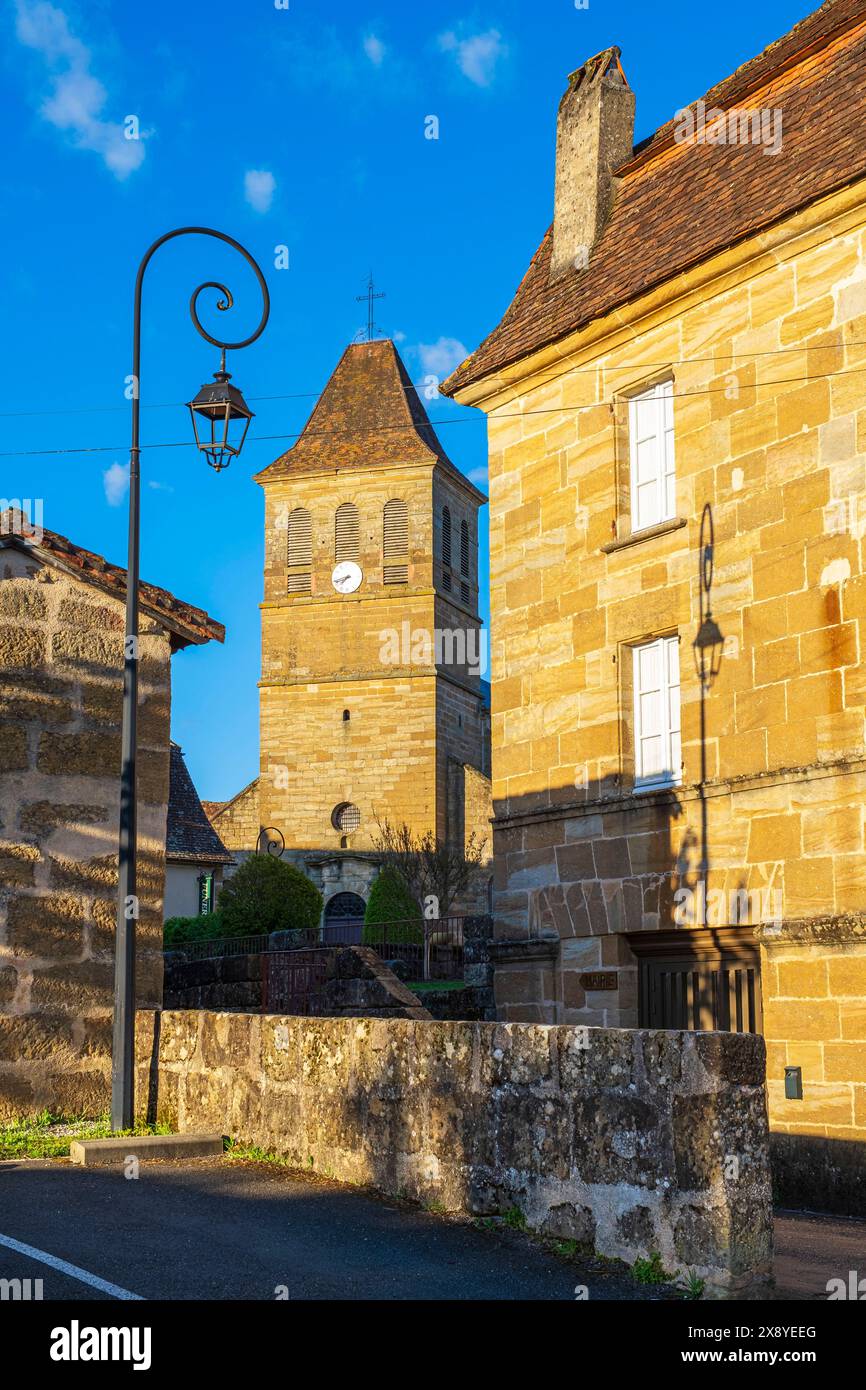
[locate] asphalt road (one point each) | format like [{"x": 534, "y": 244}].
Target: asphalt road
[
  {"x": 218, "y": 1229},
  {"x": 810, "y": 1250}
]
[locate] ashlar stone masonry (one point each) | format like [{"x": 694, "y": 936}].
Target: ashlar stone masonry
[
  {"x": 625, "y": 1141},
  {"x": 61, "y": 661}
]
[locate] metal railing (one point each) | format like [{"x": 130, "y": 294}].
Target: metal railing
[
  {"x": 422, "y": 950},
  {"x": 222, "y": 946}
]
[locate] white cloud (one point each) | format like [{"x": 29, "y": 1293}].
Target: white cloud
[
  {"x": 479, "y": 477},
  {"x": 339, "y": 60},
  {"x": 160, "y": 487},
  {"x": 374, "y": 49},
  {"x": 477, "y": 55},
  {"x": 259, "y": 188},
  {"x": 115, "y": 480},
  {"x": 77, "y": 97},
  {"x": 440, "y": 358}
]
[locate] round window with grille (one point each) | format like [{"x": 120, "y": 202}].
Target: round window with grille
[{"x": 346, "y": 818}]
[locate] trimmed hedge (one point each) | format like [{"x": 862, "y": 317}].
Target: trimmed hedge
[
  {"x": 178, "y": 931},
  {"x": 266, "y": 895},
  {"x": 390, "y": 901}
]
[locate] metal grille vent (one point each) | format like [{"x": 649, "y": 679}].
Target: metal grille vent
[{"x": 346, "y": 817}]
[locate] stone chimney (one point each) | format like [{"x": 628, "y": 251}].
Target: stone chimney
[{"x": 594, "y": 135}]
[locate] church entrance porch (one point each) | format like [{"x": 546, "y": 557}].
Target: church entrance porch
[{"x": 344, "y": 918}]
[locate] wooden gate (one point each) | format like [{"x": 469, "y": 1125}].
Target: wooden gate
[{"x": 701, "y": 979}]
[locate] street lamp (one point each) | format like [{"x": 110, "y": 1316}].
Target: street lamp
[
  {"x": 220, "y": 419},
  {"x": 222, "y": 415}
]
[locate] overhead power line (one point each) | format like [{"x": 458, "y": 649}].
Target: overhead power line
[
  {"x": 567, "y": 371},
  {"x": 436, "y": 423}
]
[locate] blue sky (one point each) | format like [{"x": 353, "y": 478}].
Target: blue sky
[{"x": 300, "y": 127}]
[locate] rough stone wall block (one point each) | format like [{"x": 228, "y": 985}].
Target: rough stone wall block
[{"x": 626, "y": 1141}]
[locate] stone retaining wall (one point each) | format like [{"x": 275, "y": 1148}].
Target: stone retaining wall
[
  {"x": 626, "y": 1141},
  {"x": 466, "y": 1004},
  {"x": 357, "y": 983}
]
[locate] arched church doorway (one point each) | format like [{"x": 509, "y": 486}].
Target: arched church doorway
[{"x": 344, "y": 918}]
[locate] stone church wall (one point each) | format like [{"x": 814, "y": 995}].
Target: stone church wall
[
  {"x": 238, "y": 822},
  {"x": 381, "y": 759}
]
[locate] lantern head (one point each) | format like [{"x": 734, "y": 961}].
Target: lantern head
[{"x": 220, "y": 420}]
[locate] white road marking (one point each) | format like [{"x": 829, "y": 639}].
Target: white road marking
[{"x": 63, "y": 1267}]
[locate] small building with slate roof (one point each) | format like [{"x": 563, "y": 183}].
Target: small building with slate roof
[{"x": 195, "y": 856}]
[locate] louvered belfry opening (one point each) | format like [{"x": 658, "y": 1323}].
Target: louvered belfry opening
[
  {"x": 299, "y": 552},
  {"x": 446, "y": 548},
  {"x": 464, "y": 561},
  {"x": 395, "y": 542},
  {"x": 346, "y": 533}
]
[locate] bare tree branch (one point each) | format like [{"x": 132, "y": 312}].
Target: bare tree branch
[{"x": 430, "y": 867}]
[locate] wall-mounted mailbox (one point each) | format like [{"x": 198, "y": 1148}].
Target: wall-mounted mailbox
[{"x": 793, "y": 1083}]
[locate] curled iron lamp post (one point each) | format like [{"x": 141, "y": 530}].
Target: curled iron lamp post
[
  {"x": 708, "y": 647},
  {"x": 221, "y": 419}
]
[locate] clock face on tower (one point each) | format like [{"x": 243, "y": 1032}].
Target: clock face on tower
[{"x": 347, "y": 577}]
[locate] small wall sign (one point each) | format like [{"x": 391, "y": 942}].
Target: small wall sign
[{"x": 598, "y": 979}]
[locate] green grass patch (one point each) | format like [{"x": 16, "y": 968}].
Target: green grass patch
[
  {"x": 251, "y": 1153},
  {"x": 50, "y": 1136},
  {"x": 514, "y": 1218},
  {"x": 691, "y": 1285},
  {"x": 434, "y": 986},
  {"x": 651, "y": 1270}
]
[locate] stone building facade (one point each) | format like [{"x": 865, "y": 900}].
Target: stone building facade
[
  {"x": 238, "y": 819},
  {"x": 61, "y": 685},
  {"x": 674, "y": 850},
  {"x": 372, "y": 702}
]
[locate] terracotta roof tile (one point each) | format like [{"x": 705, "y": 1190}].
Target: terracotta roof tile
[
  {"x": 188, "y": 625},
  {"x": 369, "y": 415},
  {"x": 677, "y": 204}
]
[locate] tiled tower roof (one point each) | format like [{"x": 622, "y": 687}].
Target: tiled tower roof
[{"x": 368, "y": 416}]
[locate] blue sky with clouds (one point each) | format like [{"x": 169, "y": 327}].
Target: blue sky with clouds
[{"x": 299, "y": 125}]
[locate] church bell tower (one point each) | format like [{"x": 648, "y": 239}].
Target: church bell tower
[{"x": 372, "y": 688}]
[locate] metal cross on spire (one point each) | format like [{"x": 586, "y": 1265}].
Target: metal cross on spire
[{"x": 371, "y": 296}]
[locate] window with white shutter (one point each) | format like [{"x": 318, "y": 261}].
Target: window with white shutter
[
  {"x": 651, "y": 456},
  {"x": 657, "y": 713}
]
